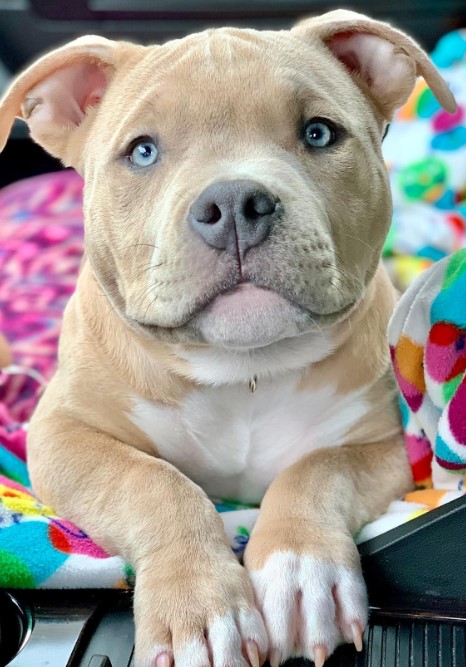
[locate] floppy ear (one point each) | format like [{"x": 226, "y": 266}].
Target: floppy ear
[
  {"x": 55, "y": 94},
  {"x": 382, "y": 60}
]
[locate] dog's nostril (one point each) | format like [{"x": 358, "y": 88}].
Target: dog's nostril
[
  {"x": 209, "y": 214},
  {"x": 214, "y": 214},
  {"x": 259, "y": 205}
]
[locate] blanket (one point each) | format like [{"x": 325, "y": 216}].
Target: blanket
[
  {"x": 40, "y": 253},
  {"x": 425, "y": 152},
  {"x": 427, "y": 337}
]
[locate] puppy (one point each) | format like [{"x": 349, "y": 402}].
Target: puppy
[{"x": 236, "y": 203}]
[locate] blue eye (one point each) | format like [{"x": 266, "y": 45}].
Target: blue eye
[
  {"x": 319, "y": 134},
  {"x": 144, "y": 153}
]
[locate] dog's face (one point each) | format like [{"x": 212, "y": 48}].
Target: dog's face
[
  {"x": 235, "y": 191},
  {"x": 245, "y": 226}
]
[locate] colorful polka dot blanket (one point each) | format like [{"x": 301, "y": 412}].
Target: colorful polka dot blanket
[
  {"x": 40, "y": 253},
  {"x": 425, "y": 152},
  {"x": 427, "y": 337}
]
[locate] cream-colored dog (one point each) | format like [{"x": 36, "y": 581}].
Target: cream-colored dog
[{"x": 236, "y": 203}]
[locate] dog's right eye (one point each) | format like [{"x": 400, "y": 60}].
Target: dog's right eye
[{"x": 143, "y": 152}]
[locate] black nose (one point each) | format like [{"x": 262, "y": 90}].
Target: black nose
[{"x": 235, "y": 215}]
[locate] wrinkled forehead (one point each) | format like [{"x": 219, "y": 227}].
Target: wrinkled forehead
[{"x": 232, "y": 80}]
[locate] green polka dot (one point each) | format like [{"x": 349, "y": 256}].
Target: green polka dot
[
  {"x": 424, "y": 180},
  {"x": 13, "y": 572},
  {"x": 389, "y": 242},
  {"x": 449, "y": 388},
  {"x": 455, "y": 267},
  {"x": 129, "y": 574},
  {"x": 427, "y": 105}
]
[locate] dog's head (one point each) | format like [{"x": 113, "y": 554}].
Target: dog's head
[{"x": 236, "y": 192}]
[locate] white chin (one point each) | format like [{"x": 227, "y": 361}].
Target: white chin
[{"x": 249, "y": 317}]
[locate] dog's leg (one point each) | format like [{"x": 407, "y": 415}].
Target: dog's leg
[
  {"x": 193, "y": 601},
  {"x": 302, "y": 557}
]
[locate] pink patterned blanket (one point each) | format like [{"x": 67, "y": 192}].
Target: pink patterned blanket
[{"x": 40, "y": 252}]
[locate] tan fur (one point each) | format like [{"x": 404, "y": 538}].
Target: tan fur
[
  {"x": 5, "y": 352},
  {"x": 223, "y": 105},
  {"x": 363, "y": 330},
  {"x": 297, "y": 516}
]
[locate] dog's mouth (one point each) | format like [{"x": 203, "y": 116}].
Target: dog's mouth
[{"x": 246, "y": 315}]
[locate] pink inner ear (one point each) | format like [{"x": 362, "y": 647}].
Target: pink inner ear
[
  {"x": 388, "y": 71},
  {"x": 90, "y": 84},
  {"x": 339, "y": 45},
  {"x": 64, "y": 97}
]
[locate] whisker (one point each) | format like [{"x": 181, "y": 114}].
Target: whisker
[
  {"x": 338, "y": 289},
  {"x": 318, "y": 327},
  {"x": 148, "y": 268},
  {"x": 150, "y": 304},
  {"x": 148, "y": 245},
  {"x": 146, "y": 293},
  {"x": 356, "y": 238},
  {"x": 108, "y": 302},
  {"x": 142, "y": 99}
]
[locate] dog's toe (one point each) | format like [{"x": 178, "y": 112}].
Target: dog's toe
[{"x": 229, "y": 643}]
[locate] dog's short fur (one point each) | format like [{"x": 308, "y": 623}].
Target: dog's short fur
[{"x": 150, "y": 411}]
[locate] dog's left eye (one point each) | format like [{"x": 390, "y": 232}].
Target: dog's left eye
[
  {"x": 319, "y": 133},
  {"x": 143, "y": 153}
]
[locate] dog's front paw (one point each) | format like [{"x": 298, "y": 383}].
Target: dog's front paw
[
  {"x": 312, "y": 599},
  {"x": 198, "y": 613}
]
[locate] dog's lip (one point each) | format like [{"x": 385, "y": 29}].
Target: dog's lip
[
  {"x": 203, "y": 304},
  {"x": 245, "y": 287},
  {"x": 250, "y": 287},
  {"x": 245, "y": 295}
]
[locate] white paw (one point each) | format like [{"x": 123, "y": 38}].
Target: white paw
[{"x": 309, "y": 605}]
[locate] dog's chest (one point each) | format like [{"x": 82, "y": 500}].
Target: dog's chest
[{"x": 233, "y": 442}]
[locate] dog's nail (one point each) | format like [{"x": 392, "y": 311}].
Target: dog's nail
[
  {"x": 253, "y": 653},
  {"x": 357, "y": 636},
  {"x": 320, "y": 655},
  {"x": 275, "y": 658},
  {"x": 162, "y": 660}
]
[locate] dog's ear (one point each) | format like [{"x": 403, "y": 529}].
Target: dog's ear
[
  {"x": 56, "y": 93},
  {"x": 383, "y": 60}
]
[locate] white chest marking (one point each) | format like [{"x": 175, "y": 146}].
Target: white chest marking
[{"x": 234, "y": 443}]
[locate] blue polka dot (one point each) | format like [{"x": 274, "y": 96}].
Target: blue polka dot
[
  {"x": 450, "y": 141},
  {"x": 427, "y": 104},
  {"x": 429, "y": 252},
  {"x": 450, "y": 49},
  {"x": 446, "y": 201},
  {"x": 30, "y": 542}
]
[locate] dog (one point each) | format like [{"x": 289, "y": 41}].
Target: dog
[{"x": 227, "y": 336}]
